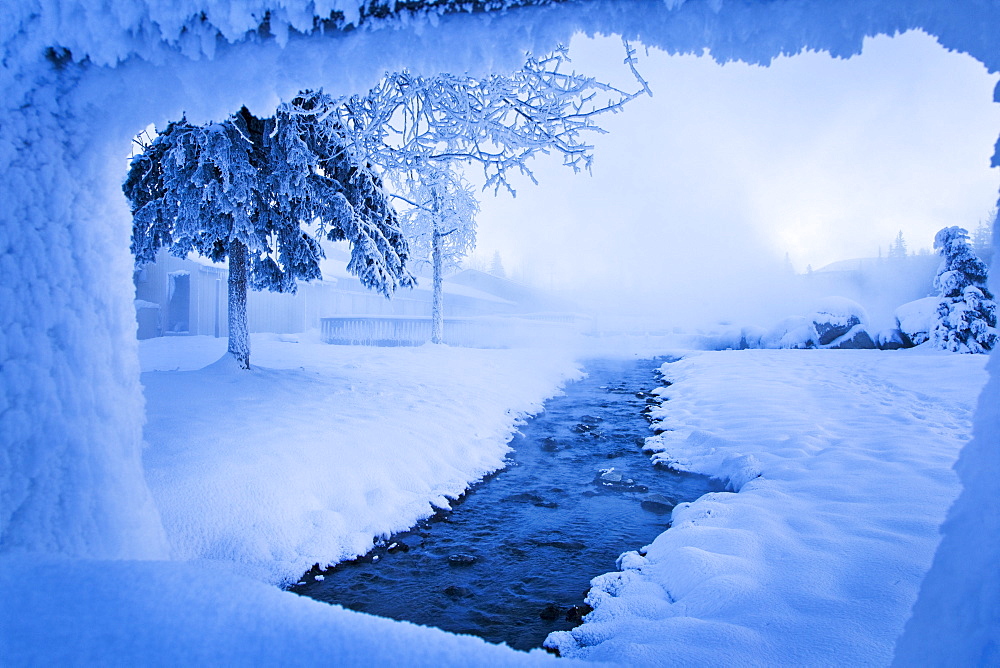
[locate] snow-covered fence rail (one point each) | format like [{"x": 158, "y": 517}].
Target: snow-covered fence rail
[{"x": 473, "y": 332}]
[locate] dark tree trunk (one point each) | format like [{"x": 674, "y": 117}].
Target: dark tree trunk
[{"x": 239, "y": 332}]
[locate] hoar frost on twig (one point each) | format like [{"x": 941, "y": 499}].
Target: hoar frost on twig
[{"x": 497, "y": 122}]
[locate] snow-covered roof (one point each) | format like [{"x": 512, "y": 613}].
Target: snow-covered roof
[{"x": 855, "y": 264}]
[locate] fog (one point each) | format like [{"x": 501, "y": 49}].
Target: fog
[{"x": 699, "y": 192}]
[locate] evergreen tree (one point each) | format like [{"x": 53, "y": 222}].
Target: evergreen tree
[
  {"x": 982, "y": 238},
  {"x": 496, "y": 266},
  {"x": 441, "y": 228},
  {"x": 261, "y": 193},
  {"x": 897, "y": 249},
  {"x": 966, "y": 315}
]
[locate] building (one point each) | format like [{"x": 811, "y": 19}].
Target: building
[{"x": 188, "y": 296}]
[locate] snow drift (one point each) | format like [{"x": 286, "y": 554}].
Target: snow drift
[
  {"x": 320, "y": 449},
  {"x": 818, "y": 556}
]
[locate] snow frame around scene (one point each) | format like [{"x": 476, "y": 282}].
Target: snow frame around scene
[{"x": 78, "y": 81}]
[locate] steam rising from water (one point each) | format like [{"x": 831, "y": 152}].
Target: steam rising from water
[{"x": 699, "y": 192}]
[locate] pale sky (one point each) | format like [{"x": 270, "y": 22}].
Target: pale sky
[{"x": 728, "y": 167}]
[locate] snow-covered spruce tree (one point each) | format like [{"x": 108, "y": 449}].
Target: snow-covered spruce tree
[
  {"x": 261, "y": 192},
  {"x": 982, "y": 237},
  {"x": 966, "y": 314},
  {"x": 897, "y": 249},
  {"x": 440, "y": 227},
  {"x": 496, "y": 266}
]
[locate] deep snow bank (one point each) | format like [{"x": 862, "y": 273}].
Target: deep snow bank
[
  {"x": 128, "y": 613},
  {"x": 321, "y": 448},
  {"x": 842, "y": 462},
  {"x": 305, "y": 458}
]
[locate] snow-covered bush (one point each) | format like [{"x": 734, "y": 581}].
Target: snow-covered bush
[
  {"x": 720, "y": 336},
  {"x": 966, "y": 313}
]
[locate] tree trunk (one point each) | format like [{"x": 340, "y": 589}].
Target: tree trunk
[
  {"x": 437, "y": 258},
  {"x": 437, "y": 314},
  {"x": 239, "y": 333}
]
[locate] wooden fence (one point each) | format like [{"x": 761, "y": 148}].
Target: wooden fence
[{"x": 471, "y": 332}]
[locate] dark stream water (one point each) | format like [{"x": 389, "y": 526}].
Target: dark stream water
[{"x": 516, "y": 554}]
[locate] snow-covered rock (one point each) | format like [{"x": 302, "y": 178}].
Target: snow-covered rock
[
  {"x": 752, "y": 337},
  {"x": 916, "y": 319},
  {"x": 793, "y": 332},
  {"x": 857, "y": 338},
  {"x": 890, "y": 339},
  {"x": 835, "y": 317}
]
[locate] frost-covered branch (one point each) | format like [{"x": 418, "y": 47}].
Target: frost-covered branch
[
  {"x": 497, "y": 122},
  {"x": 442, "y": 200}
]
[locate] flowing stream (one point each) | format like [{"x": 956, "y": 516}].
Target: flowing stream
[{"x": 513, "y": 560}]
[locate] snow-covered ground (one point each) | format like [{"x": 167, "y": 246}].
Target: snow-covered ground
[
  {"x": 841, "y": 461},
  {"x": 154, "y": 613},
  {"x": 320, "y": 448},
  {"x": 306, "y": 458}
]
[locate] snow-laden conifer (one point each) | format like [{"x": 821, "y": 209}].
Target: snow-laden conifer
[
  {"x": 261, "y": 193},
  {"x": 897, "y": 249},
  {"x": 966, "y": 315}
]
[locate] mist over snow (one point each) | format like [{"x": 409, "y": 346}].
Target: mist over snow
[{"x": 698, "y": 192}]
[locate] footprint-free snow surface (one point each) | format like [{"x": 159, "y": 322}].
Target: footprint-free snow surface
[
  {"x": 816, "y": 562},
  {"x": 841, "y": 463},
  {"x": 514, "y": 558}
]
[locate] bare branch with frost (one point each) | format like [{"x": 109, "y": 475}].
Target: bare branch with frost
[{"x": 497, "y": 122}]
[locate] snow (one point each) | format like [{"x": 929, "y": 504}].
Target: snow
[
  {"x": 958, "y": 598},
  {"x": 792, "y": 332},
  {"x": 309, "y": 457},
  {"x": 856, "y": 337},
  {"x": 71, "y": 476},
  {"x": 841, "y": 466},
  {"x": 66, "y": 613},
  {"x": 838, "y": 320},
  {"x": 319, "y": 449},
  {"x": 916, "y": 319},
  {"x": 839, "y": 310}
]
